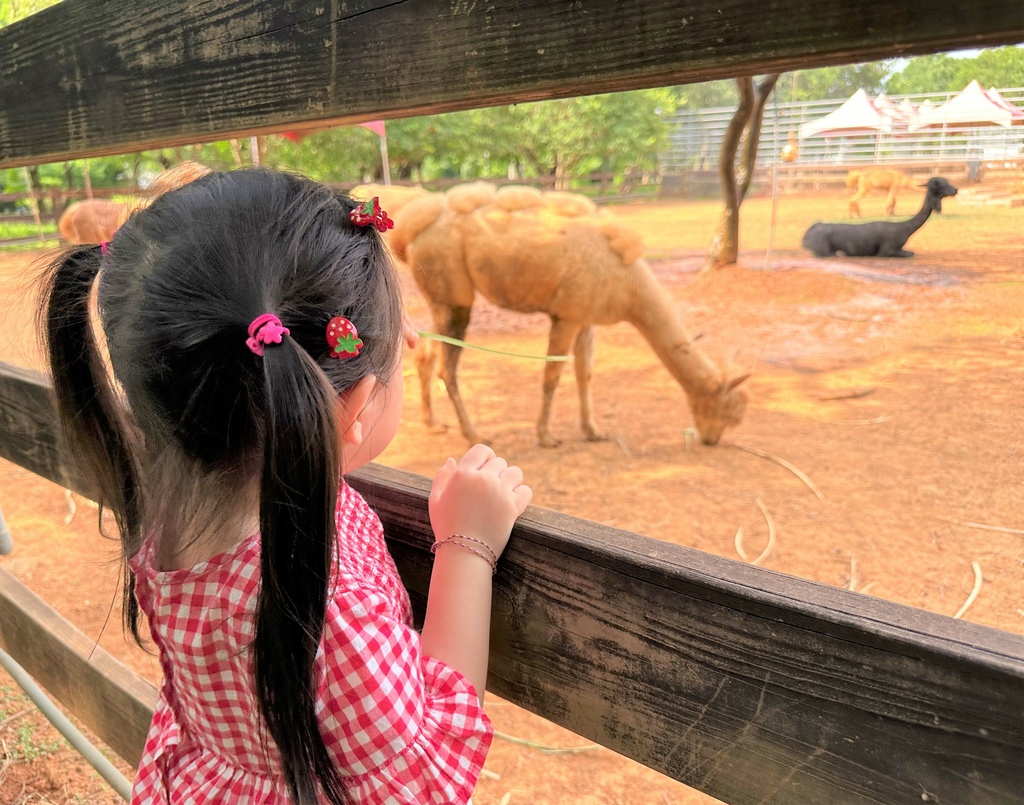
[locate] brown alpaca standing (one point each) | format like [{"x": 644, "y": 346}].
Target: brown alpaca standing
[
  {"x": 95, "y": 220},
  {"x": 892, "y": 181},
  {"x": 553, "y": 253}
]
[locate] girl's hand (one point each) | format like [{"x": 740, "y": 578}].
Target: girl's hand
[{"x": 480, "y": 496}]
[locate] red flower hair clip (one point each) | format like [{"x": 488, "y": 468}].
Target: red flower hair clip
[
  {"x": 370, "y": 213},
  {"x": 342, "y": 338}
]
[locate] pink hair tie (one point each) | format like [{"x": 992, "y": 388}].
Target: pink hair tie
[
  {"x": 265, "y": 329},
  {"x": 105, "y": 248}
]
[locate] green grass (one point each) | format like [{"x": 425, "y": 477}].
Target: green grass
[
  {"x": 12, "y": 229},
  {"x": 28, "y": 746},
  {"x": 20, "y": 736}
]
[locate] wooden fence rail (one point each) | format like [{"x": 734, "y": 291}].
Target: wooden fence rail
[
  {"x": 750, "y": 685},
  {"x": 180, "y": 72},
  {"x": 753, "y": 686}
]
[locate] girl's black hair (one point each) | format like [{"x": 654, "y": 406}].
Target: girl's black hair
[{"x": 193, "y": 417}]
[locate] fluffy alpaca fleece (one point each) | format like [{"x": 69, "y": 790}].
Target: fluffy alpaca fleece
[
  {"x": 555, "y": 253},
  {"x": 393, "y": 198}
]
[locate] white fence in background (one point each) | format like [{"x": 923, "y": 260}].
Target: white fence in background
[{"x": 696, "y": 135}]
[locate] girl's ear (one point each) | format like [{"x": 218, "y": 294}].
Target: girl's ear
[{"x": 353, "y": 402}]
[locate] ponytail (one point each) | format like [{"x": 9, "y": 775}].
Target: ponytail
[
  {"x": 89, "y": 414},
  {"x": 298, "y": 496}
]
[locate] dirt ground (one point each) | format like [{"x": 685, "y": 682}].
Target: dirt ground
[{"x": 895, "y": 386}]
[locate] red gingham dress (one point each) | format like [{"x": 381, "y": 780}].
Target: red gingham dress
[{"x": 404, "y": 728}]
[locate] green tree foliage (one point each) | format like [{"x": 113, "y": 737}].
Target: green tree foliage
[
  {"x": 996, "y": 67},
  {"x": 336, "y": 155},
  {"x": 833, "y": 82},
  {"x": 572, "y": 137},
  {"x": 14, "y": 10},
  {"x": 999, "y": 67},
  {"x": 937, "y": 73},
  {"x": 703, "y": 96}
]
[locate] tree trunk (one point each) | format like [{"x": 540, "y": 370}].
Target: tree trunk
[
  {"x": 36, "y": 187},
  {"x": 61, "y": 203},
  {"x": 724, "y": 247},
  {"x": 753, "y": 134},
  {"x": 561, "y": 180},
  {"x": 136, "y": 165},
  {"x": 746, "y": 126},
  {"x": 236, "y": 152}
]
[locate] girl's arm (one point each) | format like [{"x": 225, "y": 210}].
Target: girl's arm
[
  {"x": 457, "y": 627},
  {"x": 479, "y": 497}
]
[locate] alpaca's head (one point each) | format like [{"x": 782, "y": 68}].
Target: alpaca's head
[
  {"x": 719, "y": 408},
  {"x": 938, "y": 189}
]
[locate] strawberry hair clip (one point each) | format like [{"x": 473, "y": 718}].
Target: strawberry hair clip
[
  {"x": 342, "y": 336},
  {"x": 370, "y": 213}
]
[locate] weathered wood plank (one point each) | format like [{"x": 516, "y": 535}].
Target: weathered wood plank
[
  {"x": 103, "y": 694},
  {"x": 29, "y": 435},
  {"x": 92, "y": 77},
  {"x": 751, "y": 685}
]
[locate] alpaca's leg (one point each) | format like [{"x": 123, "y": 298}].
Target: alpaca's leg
[
  {"x": 428, "y": 353},
  {"x": 454, "y": 322},
  {"x": 890, "y": 201},
  {"x": 559, "y": 343},
  {"x": 854, "y": 206},
  {"x": 428, "y": 358},
  {"x": 892, "y": 250},
  {"x": 584, "y": 351}
]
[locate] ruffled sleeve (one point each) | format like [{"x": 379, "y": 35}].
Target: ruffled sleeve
[{"x": 405, "y": 728}]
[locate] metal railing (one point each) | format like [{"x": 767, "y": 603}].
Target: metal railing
[{"x": 695, "y": 138}]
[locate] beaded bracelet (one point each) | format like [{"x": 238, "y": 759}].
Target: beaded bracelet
[{"x": 456, "y": 539}]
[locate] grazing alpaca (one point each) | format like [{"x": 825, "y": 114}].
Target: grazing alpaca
[
  {"x": 555, "y": 253},
  {"x": 96, "y": 220},
  {"x": 876, "y": 179},
  {"x": 879, "y": 238}
]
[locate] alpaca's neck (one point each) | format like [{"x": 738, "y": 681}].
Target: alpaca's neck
[
  {"x": 653, "y": 316},
  {"x": 913, "y": 224}
]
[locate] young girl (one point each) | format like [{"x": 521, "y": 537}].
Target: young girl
[{"x": 254, "y": 327}]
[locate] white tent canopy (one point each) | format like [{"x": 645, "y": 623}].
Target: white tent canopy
[
  {"x": 858, "y": 115},
  {"x": 973, "y": 106},
  {"x": 899, "y": 116}
]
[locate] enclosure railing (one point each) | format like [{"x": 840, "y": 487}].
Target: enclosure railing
[
  {"x": 695, "y": 137},
  {"x": 753, "y": 686}
]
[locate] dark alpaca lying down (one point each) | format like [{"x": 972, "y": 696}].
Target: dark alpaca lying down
[{"x": 880, "y": 238}]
